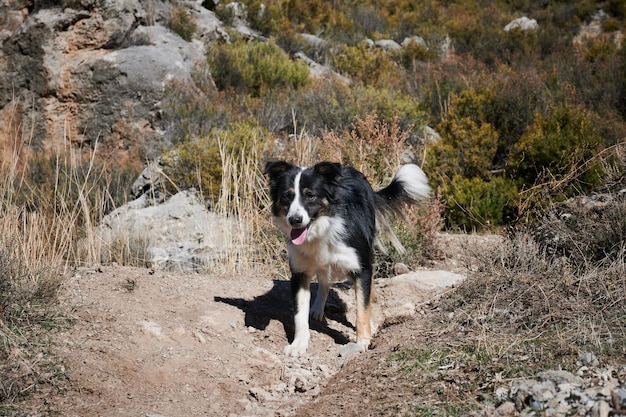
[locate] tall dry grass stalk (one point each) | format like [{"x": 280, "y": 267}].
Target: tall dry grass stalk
[{"x": 244, "y": 197}]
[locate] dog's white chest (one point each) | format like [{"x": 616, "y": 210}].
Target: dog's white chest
[{"x": 324, "y": 250}]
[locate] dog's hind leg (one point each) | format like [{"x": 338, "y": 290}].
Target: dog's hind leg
[
  {"x": 363, "y": 289},
  {"x": 301, "y": 292},
  {"x": 323, "y": 288}
]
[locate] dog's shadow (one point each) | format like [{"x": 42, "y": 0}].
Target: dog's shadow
[{"x": 277, "y": 304}]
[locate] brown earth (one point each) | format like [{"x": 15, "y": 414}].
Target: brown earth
[{"x": 148, "y": 343}]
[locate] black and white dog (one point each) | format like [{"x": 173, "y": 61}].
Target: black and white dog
[{"x": 330, "y": 214}]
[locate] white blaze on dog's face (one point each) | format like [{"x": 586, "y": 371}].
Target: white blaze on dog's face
[{"x": 297, "y": 216}]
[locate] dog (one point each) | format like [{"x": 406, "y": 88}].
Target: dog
[{"x": 330, "y": 216}]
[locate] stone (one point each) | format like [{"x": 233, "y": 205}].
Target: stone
[
  {"x": 180, "y": 234},
  {"x": 387, "y": 44},
  {"x": 416, "y": 40},
  {"x": 522, "y": 23},
  {"x": 351, "y": 349},
  {"x": 589, "y": 359},
  {"x": 97, "y": 73}
]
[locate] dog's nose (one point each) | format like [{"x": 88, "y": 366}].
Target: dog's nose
[{"x": 295, "y": 220}]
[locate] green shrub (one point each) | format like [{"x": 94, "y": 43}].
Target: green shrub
[
  {"x": 183, "y": 23},
  {"x": 412, "y": 53},
  {"x": 476, "y": 204},
  {"x": 255, "y": 68},
  {"x": 468, "y": 142},
  {"x": 369, "y": 66},
  {"x": 611, "y": 25},
  {"x": 557, "y": 147}
]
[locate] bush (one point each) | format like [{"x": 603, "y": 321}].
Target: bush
[
  {"x": 255, "y": 68},
  {"x": 190, "y": 113},
  {"x": 468, "y": 142},
  {"x": 589, "y": 231},
  {"x": 466, "y": 148},
  {"x": 369, "y": 66},
  {"x": 477, "y": 204},
  {"x": 372, "y": 146},
  {"x": 557, "y": 147},
  {"x": 182, "y": 23}
]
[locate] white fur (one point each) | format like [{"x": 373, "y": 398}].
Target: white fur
[
  {"x": 301, "y": 320},
  {"x": 414, "y": 181},
  {"x": 297, "y": 207},
  {"x": 324, "y": 248},
  {"x": 325, "y": 255}
]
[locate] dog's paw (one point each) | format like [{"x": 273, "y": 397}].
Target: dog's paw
[
  {"x": 317, "y": 314},
  {"x": 296, "y": 348}
]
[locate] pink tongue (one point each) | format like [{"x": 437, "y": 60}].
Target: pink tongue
[{"x": 298, "y": 236}]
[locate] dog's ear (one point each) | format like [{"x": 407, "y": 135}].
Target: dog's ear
[
  {"x": 274, "y": 169},
  {"x": 329, "y": 170}
]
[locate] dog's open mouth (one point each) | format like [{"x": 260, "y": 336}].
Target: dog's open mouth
[{"x": 298, "y": 236}]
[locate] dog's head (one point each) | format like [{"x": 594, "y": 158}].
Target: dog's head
[{"x": 301, "y": 195}]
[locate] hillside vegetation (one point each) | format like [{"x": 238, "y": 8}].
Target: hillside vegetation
[{"x": 525, "y": 119}]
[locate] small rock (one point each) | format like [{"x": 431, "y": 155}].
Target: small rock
[
  {"x": 501, "y": 393},
  {"x": 351, "y": 349},
  {"x": 300, "y": 385},
  {"x": 505, "y": 409},
  {"x": 199, "y": 336},
  {"x": 401, "y": 268},
  {"x": 589, "y": 359},
  {"x": 260, "y": 394},
  {"x": 544, "y": 391}
]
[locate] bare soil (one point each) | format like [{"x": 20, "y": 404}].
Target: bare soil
[{"x": 152, "y": 343}]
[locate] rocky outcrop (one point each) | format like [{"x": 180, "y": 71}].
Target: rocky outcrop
[{"x": 94, "y": 74}]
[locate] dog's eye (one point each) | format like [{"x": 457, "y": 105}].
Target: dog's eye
[
  {"x": 287, "y": 195},
  {"x": 308, "y": 194}
]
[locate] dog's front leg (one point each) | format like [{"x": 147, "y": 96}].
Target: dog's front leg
[
  {"x": 301, "y": 292},
  {"x": 323, "y": 288}
]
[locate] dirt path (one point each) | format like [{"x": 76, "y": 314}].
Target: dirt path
[{"x": 160, "y": 344}]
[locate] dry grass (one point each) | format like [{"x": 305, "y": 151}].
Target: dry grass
[
  {"x": 39, "y": 232},
  {"x": 520, "y": 311},
  {"x": 244, "y": 196},
  {"x": 32, "y": 249},
  {"x": 519, "y": 295}
]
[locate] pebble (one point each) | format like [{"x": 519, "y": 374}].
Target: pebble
[{"x": 350, "y": 349}]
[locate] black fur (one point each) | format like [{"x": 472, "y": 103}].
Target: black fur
[{"x": 329, "y": 220}]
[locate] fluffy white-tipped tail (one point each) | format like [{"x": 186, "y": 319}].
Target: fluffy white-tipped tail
[
  {"x": 409, "y": 185},
  {"x": 414, "y": 181}
]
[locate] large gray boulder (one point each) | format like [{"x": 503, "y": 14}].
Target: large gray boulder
[{"x": 180, "y": 234}]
